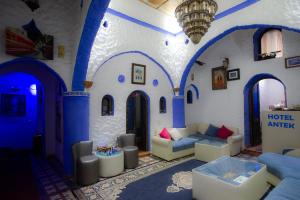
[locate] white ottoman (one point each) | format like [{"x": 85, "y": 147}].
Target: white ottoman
[
  {"x": 229, "y": 178},
  {"x": 111, "y": 165},
  {"x": 209, "y": 150}
]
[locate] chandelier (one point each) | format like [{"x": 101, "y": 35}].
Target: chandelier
[{"x": 195, "y": 16}]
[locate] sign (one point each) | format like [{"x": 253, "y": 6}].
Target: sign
[{"x": 281, "y": 121}]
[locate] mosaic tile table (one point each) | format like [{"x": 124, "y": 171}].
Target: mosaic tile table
[{"x": 229, "y": 178}]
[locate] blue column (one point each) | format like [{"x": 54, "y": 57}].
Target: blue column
[
  {"x": 178, "y": 112},
  {"x": 76, "y": 124}
]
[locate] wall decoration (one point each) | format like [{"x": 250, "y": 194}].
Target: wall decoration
[
  {"x": 192, "y": 77},
  {"x": 155, "y": 82},
  {"x": 61, "y": 51},
  {"x": 138, "y": 74},
  {"x": 29, "y": 42},
  {"x": 219, "y": 80},
  {"x": 292, "y": 62},
  {"x": 13, "y": 105},
  {"x": 121, "y": 78},
  {"x": 233, "y": 74},
  {"x": 32, "y": 4}
]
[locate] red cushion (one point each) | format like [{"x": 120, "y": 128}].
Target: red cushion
[
  {"x": 165, "y": 134},
  {"x": 224, "y": 132}
]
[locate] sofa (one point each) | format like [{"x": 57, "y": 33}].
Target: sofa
[
  {"x": 284, "y": 173},
  {"x": 170, "y": 149}
]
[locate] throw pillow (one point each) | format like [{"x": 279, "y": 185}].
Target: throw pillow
[
  {"x": 165, "y": 134},
  {"x": 175, "y": 134},
  {"x": 212, "y": 131},
  {"x": 224, "y": 132}
]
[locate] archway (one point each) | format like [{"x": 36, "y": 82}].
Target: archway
[
  {"x": 137, "y": 118},
  {"x": 252, "y": 107},
  {"x": 51, "y": 100},
  {"x": 219, "y": 37}
]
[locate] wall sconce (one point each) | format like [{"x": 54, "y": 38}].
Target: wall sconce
[
  {"x": 226, "y": 63},
  {"x": 176, "y": 91},
  {"x": 88, "y": 84}
]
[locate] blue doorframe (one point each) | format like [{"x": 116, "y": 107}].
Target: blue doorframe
[{"x": 247, "y": 90}]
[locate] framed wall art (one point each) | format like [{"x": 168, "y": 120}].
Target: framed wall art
[
  {"x": 219, "y": 80},
  {"x": 292, "y": 62},
  {"x": 138, "y": 74},
  {"x": 233, "y": 74}
]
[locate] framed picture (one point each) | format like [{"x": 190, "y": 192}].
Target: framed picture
[
  {"x": 292, "y": 62},
  {"x": 138, "y": 74},
  {"x": 219, "y": 80},
  {"x": 233, "y": 74}
]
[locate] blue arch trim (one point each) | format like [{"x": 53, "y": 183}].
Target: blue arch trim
[
  {"x": 141, "y": 53},
  {"x": 92, "y": 23},
  {"x": 236, "y": 8},
  {"x": 247, "y": 89},
  {"x": 219, "y": 16},
  {"x": 148, "y": 116},
  {"x": 196, "y": 90},
  {"x": 139, "y": 22},
  {"x": 34, "y": 62},
  {"x": 219, "y": 37}
]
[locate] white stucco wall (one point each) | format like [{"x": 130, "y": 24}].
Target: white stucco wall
[
  {"x": 61, "y": 19},
  {"x": 122, "y": 35},
  {"x": 105, "y": 129},
  {"x": 227, "y": 106}
]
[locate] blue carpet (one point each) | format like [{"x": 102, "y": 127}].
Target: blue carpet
[{"x": 155, "y": 186}]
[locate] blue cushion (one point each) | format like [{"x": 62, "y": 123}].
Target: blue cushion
[
  {"x": 184, "y": 143},
  {"x": 288, "y": 189},
  {"x": 196, "y": 136},
  {"x": 212, "y": 131},
  {"x": 281, "y": 166}
]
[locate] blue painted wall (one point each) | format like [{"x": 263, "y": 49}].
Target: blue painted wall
[
  {"x": 178, "y": 112},
  {"x": 17, "y": 131},
  {"x": 76, "y": 125},
  {"x": 95, "y": 14}
]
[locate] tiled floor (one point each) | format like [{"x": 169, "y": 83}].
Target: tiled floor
[{"x": 54, "y": 186}]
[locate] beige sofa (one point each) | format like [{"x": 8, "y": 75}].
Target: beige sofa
[{"x": 163, "y": 148}]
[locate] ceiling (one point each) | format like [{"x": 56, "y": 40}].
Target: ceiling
[{"x": 168, "y": 6}]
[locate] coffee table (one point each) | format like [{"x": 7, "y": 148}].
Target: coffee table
[
  {"x": 110, "y": 165},
  {"x": 208, "y": 150},
  {"x": 229, "y": 178}
]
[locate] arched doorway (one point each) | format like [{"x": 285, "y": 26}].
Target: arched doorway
[
  {"x": 261, "y": 91},
  {"x": 137, "y": 118},
  {"x": 49, "y": 88}
]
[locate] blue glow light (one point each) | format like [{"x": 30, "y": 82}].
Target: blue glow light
[{"x": 33, "y": 89}]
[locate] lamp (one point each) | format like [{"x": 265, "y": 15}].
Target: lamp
[{"x": 195, "y": 16}]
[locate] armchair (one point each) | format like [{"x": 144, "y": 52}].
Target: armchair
[{"x": 85, "y": 163}]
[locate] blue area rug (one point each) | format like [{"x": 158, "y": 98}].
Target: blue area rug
[{"x": 161, "y": 186}]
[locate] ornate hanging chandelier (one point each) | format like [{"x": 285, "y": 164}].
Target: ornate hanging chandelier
[{"x": 195, "y": 16}]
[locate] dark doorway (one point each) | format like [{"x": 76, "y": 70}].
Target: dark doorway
[
  {"x": 137, "y": 118},
  {"x": 261, "y": 92},
  {"x": 255, "y": 125}
]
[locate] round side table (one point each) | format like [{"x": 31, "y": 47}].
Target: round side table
[{"x": 111, "y": 165}]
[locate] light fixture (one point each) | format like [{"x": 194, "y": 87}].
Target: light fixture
[
  {"x": 195, "y": 16},
  {"x": 226, "y": 63}
]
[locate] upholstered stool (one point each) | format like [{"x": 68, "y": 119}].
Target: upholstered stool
[
  {"x": 131, "y": 157},
  {"x": 87, "y": 173}
]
